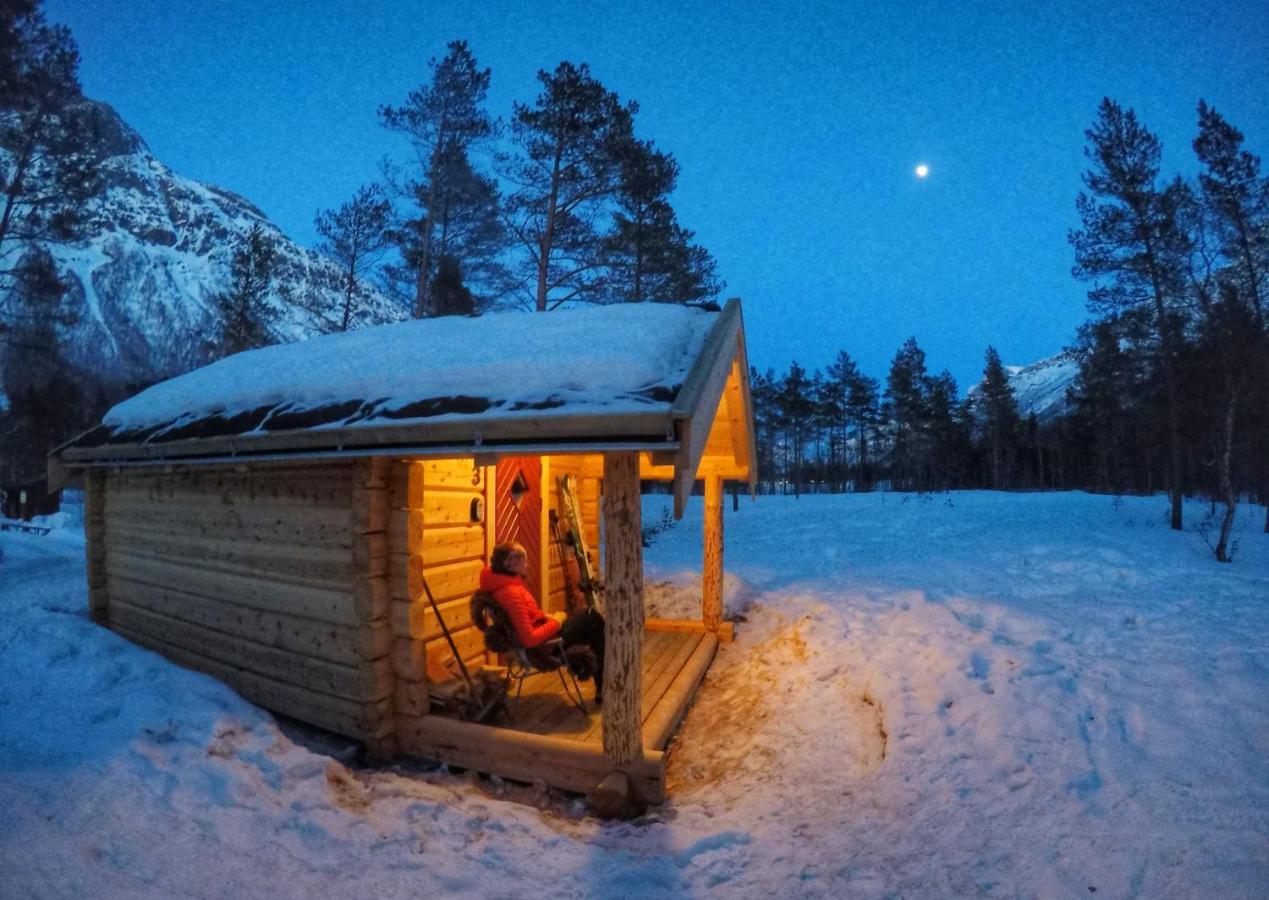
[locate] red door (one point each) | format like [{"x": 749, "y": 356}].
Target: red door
[{"x": 518, "y": 511}]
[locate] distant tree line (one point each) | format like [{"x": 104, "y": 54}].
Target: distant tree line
[
  {"x": 843, "y": 430},
  {"x": 1172, "y": 392}
]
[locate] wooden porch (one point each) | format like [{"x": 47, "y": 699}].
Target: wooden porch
[{"x": 545, "y": 737}]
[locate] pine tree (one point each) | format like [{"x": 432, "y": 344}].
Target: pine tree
[
  {"x": 855, "y": 401},
  {"x": 1099, "y": 394},
  {"x": 567, "y": 169},
  {"x": 999, "y": 419},
  {"x": 795, "y": 399},
  {"x": 906, "y": 406},
  {"x": 49, "y": 159},
  {"x": 1235, "y": 191},
  {"x": 948, "y": 433},
  {"x": 450, "y": 296},
  {"x": 763, "y": 391},
  {"x": 649, "y": 255},
  {"x": 244, "y": 313},
  {"x": 1228, "y": 341},
  {"x": 863, "y": 411},
  {"x": 1132, "y": 246},
  {"x": 356, "y": 236},
  {"x": 1238, "y": 197},
  {"x": 459, "y": 216}
]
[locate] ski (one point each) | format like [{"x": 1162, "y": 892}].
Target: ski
[{"x": 589, "y": 584}]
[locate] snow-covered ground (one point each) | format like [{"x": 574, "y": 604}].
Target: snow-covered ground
[{"x": 971, "y": 694}]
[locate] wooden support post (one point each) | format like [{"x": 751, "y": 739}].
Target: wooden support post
[
  {"x": 623, "y": 576},
  {"x": 95, "y": 545},
  {"x": 712, "y": 577}
]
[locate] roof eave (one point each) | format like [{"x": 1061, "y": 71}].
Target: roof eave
[{"x": 642, "y": 430}]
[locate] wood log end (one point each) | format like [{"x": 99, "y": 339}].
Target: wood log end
[{"x": 616, "y": 798}]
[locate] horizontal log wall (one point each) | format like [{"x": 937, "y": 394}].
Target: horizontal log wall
[
  {"x": 584, "y": 468},
  {"x": 262, "y": 576},
  {"x": 433, "y": 537}
]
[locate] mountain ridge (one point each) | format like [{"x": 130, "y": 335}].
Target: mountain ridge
[{"x": 156, "y": 248}]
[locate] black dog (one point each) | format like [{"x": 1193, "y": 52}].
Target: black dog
[{"x": 583, "y": 637}]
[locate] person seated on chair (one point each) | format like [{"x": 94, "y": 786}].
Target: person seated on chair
[{"x": 504, "y": 579}]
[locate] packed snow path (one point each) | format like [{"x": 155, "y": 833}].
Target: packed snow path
[{"x": 970, "y": 694}]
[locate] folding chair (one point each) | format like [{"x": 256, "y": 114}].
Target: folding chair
[{"x": 500, "y": 637}]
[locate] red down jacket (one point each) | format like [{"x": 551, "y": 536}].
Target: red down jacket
[{"x": 532, "y": 626}]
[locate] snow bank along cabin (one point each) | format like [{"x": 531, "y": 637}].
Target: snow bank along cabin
[{"x": 271, "y": 519}]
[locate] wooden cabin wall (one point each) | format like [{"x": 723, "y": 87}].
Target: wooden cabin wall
[
  {"x": 261, "y": 577},
  {"x": 432, "y": 536},
  {"x": 588, "y": 471}
]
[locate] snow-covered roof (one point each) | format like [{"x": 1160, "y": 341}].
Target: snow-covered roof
[{"x": 620, "y": 362}]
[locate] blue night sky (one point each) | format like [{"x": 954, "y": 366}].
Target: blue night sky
[{"x": 797, "y": 128}]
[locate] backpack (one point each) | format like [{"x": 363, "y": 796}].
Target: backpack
[{"x": 493, "y": 622}]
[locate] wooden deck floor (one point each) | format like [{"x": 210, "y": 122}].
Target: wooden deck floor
[
  {"x": 546, "y": 738},
  {"x": 542, "y": 707}
]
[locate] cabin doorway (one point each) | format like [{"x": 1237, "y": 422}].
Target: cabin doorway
[{"x": 518, "y": 511}]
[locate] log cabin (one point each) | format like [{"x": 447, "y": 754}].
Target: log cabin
[{"x": 271, "y": 519}]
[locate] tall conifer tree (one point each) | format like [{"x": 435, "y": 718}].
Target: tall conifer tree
[
  {"x": 459, "y": 215},
  {"x": 567, "y": 171},
  {"x": 1134, "y": 249}
]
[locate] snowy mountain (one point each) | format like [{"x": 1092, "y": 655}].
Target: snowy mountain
[
  {"x": 159, "y": 248},
  {"x": 1040, "y": 388}
]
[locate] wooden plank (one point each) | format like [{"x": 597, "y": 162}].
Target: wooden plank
[
  {"x": 321, "y": 562},
  {"x": 542, "y": 694},
  {"x": 623, "y": 577},
  {"x": 725, "y": 633},
  {"x": 654, "y": 647},
  {"x": 354, "y": 719},
  {"x": 668, "y": 650},
  {"x": 669, "y": 669},
  {"x": 417, "y": 620},
  {"x": 411, "y": 698},
  {"x": 712, "y": 574},
  {"x": 330, "y": 490},
  {"x": 470, "y": 643},
  {"x": 339, "y": 644},
  {"x": 448, "y": 581},
  {"x": 697, "y": 402},
  {"x": 670, "y": 710},
  {"x": 399, "y": 484},
  {"x": 251, "y": 523},
  {"x": 448, "y": 508},
  {"x": 408, "y": 661},
  {"x": 369, "y": 510},
  {"x": 568, "y": 765},
  {"x": 365, "y": 681},
  {"x": 409, "y": 533},
  {"x": 371, "y": 600},
  {"x": 323, "y": 601},
  {"x": 371, "y": 472},
  {"x": 416, "y": 478},
  {"x": 370, "y": 554}
]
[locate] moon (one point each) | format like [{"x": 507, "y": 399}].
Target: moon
[{"x": 922, "y": 170}]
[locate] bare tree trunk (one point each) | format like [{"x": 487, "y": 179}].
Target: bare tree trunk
[
  {"x": 1226, "y": 483},
  {"x": 548, "y": 231}
]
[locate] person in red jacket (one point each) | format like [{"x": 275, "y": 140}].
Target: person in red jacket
[{"x": 504, "y": 579}]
